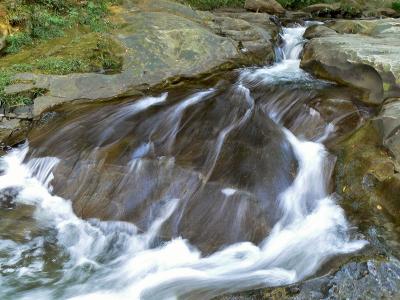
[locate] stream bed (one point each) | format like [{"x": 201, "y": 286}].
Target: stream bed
[{"x": 186, "y": 194}]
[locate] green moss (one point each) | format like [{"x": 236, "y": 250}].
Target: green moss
[
  {"x": 213, "y": 4},
  {"x": 33, "y": 21}
]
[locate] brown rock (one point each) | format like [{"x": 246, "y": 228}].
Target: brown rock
[
  {"x": 387, "y": 12},
  {"x": 268, "y": 6}
]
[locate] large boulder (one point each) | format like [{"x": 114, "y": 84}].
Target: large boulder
[
  {"x": 267, "y": 6},
  {"x": 364, "y": 55},
  {"x": 388, "y": 125}
]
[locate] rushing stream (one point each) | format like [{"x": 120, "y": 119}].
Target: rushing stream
[{"x": 213, "y": 191}]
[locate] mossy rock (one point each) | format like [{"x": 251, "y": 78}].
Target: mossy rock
[{"x": 367, "y": 181}]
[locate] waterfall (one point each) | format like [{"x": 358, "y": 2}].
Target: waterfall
[{"x": 116, "y": 260}]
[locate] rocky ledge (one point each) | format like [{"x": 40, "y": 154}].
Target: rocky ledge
[
  {"x": 163, "y": 42},
  {"x": 363, "y": 54}
]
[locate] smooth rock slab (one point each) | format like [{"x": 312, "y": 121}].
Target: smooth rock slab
[
  {"x": 364, "y": 55},
  {"x": 120, "y": 164}
]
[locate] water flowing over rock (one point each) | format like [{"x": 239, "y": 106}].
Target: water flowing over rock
[
  {"x": 159, "y": 150},
  {"x": 186, "y": 193}
]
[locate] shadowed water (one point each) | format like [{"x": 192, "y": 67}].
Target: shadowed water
[{"x": 188, "y": 194}]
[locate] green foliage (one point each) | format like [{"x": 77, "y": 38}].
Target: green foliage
[
  {"x": 213, "y": 4},
  {"x": 45, "y": 25},
  {"x": 350, "y": 11},
  {"x": 93, "y": 16},
  {"x": 16, "y": 41},
  {"x": 396, "y": 5},
  {"x": 104, "y": 56}
]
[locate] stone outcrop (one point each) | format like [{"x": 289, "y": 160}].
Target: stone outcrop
[
  {"x": 255, "y": 34},
  {"x": 364, "y": 55},
  {"x": 163, "y": 41}
]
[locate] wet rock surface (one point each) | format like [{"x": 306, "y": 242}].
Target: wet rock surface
[
  {"x": 217, "y": 152},
  {"x": 367, "y": 279}
]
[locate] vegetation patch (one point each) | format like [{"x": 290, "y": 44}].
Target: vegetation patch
[
  {"x": 55, "y": 37},
  {"x": 32, "y": 21},
  {"x": 78, "y": 51}
]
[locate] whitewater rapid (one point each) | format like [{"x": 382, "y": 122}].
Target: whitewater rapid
[{"x": 125, "y": 263}]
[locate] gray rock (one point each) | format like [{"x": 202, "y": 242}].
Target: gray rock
[
  {"x": 255, "y": 33},
  {"x": 388, "y": 124},
  {"x": 18, "y": 88}
]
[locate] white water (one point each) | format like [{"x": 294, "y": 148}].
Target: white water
[{"x": 311, "y": 230}]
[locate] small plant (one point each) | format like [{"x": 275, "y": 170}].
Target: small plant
[
  {"x": 45, "y": 25},
  {"x": 16, "y": 41},
  {"x": 46, "y": 19},
  {"x": 59, "y": 65},
  {"x": 10, "y": 100},
  {"x": 396, "y": 5}
]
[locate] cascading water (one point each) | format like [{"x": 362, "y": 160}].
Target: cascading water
[{"x": 57, "y": 255}]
